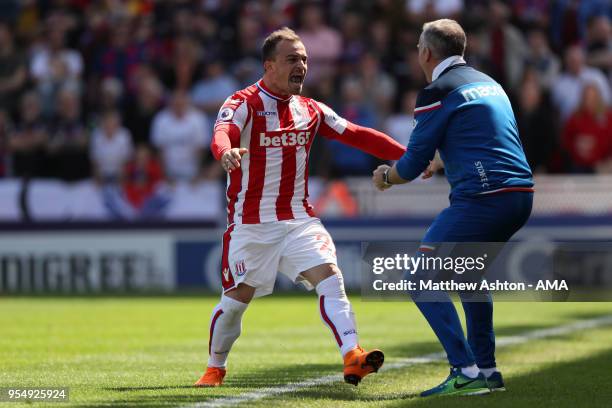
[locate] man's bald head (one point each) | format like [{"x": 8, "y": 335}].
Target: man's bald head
[{"x": 444, "y": 38}]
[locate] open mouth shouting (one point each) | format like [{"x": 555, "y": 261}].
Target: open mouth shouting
[{"x": 296, "y": 79}]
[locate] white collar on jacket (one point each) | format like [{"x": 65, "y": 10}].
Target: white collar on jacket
[{"x": 453, "y": 60}]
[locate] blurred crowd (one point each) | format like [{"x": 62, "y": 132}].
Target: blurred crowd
[{"x": 127, "y": 91}]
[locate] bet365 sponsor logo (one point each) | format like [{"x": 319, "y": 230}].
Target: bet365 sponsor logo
[{"x": 284, "y": 139}]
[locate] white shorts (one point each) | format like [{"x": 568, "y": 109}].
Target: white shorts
[{"x": 253, "y": 254}]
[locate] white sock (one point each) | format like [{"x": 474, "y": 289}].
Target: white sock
[
  {"x": 337, "y": 313},
  {"x": 470, "y": 371},
  {"x": 225, "y": 327},
  {"x": 488, "y": 371}
]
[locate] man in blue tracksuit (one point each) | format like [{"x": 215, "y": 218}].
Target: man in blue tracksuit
[{"x": 467, "y": 117}]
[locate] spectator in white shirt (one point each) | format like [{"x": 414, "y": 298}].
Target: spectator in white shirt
[
  {"x": 181, "y": 133},
  {"x": 111, "y": 148},
  {"x": 54, "y": 66},
  {"x": 567, "y": 90},
  {"x": 54, "y": 60}
]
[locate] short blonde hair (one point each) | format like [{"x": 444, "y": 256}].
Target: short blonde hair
[
  {"x": 444, "y": 38},
  {"x": 268, "y": 50}
]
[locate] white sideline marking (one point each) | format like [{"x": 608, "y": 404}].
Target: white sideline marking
[{"x": 401, "y": 363}]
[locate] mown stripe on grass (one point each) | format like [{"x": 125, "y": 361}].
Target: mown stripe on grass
[{"x": 402, "y": 363}]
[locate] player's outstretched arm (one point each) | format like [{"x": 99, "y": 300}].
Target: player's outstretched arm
[
  {"x": 366, "y": 139},
  {"x": 370, "y": 141}
]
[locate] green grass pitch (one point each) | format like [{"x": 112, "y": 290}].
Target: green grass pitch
[{"x": 146, "y": 352}]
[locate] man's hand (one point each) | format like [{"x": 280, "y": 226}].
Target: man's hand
[
  {"x": 434, "y": 165},
  {"x": 230, "y": 160},
  {"x": 377, "y": 177}
]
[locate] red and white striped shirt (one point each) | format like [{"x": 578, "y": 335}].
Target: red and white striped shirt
[{"x": 272, "y": 181}]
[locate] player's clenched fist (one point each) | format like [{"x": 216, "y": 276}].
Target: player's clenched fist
[{"x": 231, "y": 158}]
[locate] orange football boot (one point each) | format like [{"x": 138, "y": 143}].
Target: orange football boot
[
  {"x": 358, "y": 363},
  {"x": 213, "y": 377}
]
